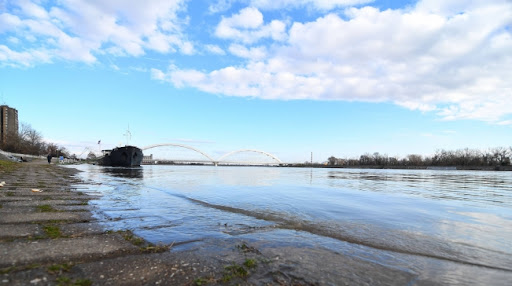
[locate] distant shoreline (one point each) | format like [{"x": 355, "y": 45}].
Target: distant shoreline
[{"x": 437, "y": 168}]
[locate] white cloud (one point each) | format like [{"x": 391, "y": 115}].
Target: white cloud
[
  {"x": 13, "y": 40},
  {"x": 322, "y": 5},
  {"x": 25, "y": 58},
  {"x": 80, "y": 30},
  {"x": 248, "y": 27},
  {"x": 505, "y": 122},
  {"x": 220, "y": 6},
  {"x": 214, "y": 49},
  {"x": 32, "y": 10},
  {"x": 8, "y": 22},
  {"x": 454, "y": 61},
  {"x": 316, "y": 4},
  {"x": 157, "y": 74},
  {"x": 254, "y": 53},
  {"x": 187, "y": 48}
]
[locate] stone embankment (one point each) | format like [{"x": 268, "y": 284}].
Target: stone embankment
[{"x": 49, "y": 237}]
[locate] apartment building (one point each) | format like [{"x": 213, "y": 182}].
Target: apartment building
[{"x": 8, "y": 121}]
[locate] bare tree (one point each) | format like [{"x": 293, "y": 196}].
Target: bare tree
[{"x": 501, "y": 155}]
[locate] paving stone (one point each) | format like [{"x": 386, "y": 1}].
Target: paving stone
[
  {"x": 19, "y": 230},
  {"x": 39, "y": 202},
  {"x": 64, "y": 249},
  {"x": 81, "y": 229},
  {"x": 45, "y": 216}
]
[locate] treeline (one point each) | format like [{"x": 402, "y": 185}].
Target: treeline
[
  {"x": 499, "y": 156},
  {"x": 29, "y": 141}
]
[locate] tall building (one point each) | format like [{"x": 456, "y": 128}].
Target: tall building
[{"x": 8, "y": 121}]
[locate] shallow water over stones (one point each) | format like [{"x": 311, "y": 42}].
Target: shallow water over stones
[{"x": 412, "y": 226}]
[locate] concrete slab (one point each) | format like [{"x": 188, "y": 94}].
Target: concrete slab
[
  {"x": 6, "y": 209},
  {"x": 39, "y": 202},
  {"x": 63, "y": 250},
  {"x": 19, "y": 230},
  {"x": 44, "y": 217},
  {"x": 4, "y": 198},
  {"x": 81, "y": 229}
]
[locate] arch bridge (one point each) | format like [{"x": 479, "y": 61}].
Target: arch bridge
[{"x": 222, "y": 159}]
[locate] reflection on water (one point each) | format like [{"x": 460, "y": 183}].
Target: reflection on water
[
  {"x": 420, "y": 221},
  {"x": 487, "y": 187},
  {"x": 135, "y": 172}
]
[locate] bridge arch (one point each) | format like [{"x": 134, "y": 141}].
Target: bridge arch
[
  {"x": 249, "y": 150},
  {"x": 179, "y": 145}
]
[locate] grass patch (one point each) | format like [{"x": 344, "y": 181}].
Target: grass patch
[
  {"x": 140, "y": 242},
  {"x": 66, "y": 281},
  {"x": 1, "y": 206},
  {"x": 59, "y": 268},
  {"x": 246, "y": 249},
  {"x": 55, "y": 221},
  {"x": 83, "y": 282},
  {"x": 63, "y": 280},
  {"x": 46, "y": 208},
  {"x": 10, "y": 194},
  {"x": 10, "y": 269},
  {"x": 8, "y": 166},
  {"x": 52, "y": 231},
  {"x": 234, "y": 271},
  {"x": 129, "y": 236},
  {"x": 250, "y": 263},
  {"x": 7, "y": 270},
  {"x": 155, "y": 248},
  {"x": 203, "y": 281}
]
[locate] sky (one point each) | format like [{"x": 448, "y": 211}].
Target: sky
[{"x": 289, "y": 77}]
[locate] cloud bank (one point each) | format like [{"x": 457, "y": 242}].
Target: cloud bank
[
  {"x": 80, "y": 30},
  {"x": 448, "y": 57},
  {"x": 452, "y": 58}
]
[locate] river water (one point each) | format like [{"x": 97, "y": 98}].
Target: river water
[{"x": 441, "y": 227}]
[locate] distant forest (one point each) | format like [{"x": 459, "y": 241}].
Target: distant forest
[
  {"x": 29, "y": 141},
  {"x": 499, "y": 156}
]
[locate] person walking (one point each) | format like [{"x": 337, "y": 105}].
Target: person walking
[{"x": 49, "y": 157}]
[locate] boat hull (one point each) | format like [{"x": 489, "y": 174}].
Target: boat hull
[{"x": 127, "y": 156}]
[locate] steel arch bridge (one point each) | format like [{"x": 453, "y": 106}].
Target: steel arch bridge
[
  {"x": 181, "y": 146},
  {"x": 250, "y": 150},
  {"x": 221, "y": 158}
]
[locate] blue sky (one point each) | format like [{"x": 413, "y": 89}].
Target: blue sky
[{"x": 340, "y": 77}]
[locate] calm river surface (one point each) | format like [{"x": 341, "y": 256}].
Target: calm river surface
[{"x": 441, "y": 227}]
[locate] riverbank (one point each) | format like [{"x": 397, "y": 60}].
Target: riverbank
[
  {"x": 58, "y": 236},
  {"x": 49, "y": 237}
]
